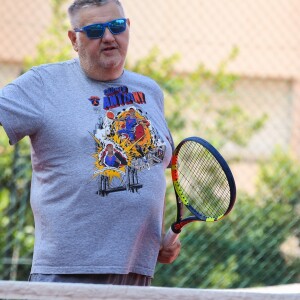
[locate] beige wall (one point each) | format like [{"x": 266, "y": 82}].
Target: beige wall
[
  {"x": 8, "y": 71},
  {"x": 22, "y": 24},
  {"x": 266, "y": 32},
  {"x": 295, "y": 117}
]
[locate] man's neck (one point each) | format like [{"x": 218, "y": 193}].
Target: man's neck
[{"x": 103, "y": 75}]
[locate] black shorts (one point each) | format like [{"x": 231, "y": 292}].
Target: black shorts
[{"x": 115, "y": 279}]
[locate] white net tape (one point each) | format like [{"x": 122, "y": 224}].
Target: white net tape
[{"x": 63, "y": 291}]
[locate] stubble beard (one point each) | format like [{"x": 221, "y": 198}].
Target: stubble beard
[{"x": 98, "y": 66}]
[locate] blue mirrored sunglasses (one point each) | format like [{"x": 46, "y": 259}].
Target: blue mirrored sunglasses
[{"x": 96, "y": 31}]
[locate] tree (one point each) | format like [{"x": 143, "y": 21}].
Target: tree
[{"x": 190, "y": 103}]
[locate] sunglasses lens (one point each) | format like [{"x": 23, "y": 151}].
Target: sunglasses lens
[
  {"x": 95, "y": 31},
  {"x": 117, "y": 26}
]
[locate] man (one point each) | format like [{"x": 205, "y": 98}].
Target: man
[
  {"x": 110, "y": 157},
  {"x": 82, "y": 235},
  {"x": 131, "y": 122}
]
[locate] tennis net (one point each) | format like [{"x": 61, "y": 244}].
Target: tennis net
[{"x": 62, "y": 291}]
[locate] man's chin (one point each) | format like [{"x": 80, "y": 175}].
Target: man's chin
[{"x": 111, "y": 64}]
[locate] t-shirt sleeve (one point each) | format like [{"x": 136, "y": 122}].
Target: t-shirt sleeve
[{"x": 22, "y": 106}]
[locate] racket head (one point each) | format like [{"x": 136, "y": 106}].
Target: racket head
[{"x": 202, "y": 180}]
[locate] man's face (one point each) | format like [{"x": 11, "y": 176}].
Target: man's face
[
  {"x": 109, "y": 148},
  {"x": 104, "y": 58},
  {"x": 132, "y": 112}
]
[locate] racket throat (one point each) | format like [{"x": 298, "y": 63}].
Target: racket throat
[{"x": 176, "y": 227}]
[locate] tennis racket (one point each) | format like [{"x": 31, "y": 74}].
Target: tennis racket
[{"x": 203, "y": 183}]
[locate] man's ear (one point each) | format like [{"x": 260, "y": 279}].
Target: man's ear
[{"x": 73, "y": 38}]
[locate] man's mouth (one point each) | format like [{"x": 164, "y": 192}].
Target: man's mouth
[{"x": 107, "y": 49}]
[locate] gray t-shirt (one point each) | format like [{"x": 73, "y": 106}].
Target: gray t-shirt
[{"x": 99, "y": 154}]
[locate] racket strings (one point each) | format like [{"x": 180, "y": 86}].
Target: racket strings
[{"x": 203, "y": 180}]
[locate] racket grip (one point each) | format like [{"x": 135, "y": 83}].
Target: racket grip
[{"x": 170, "y": 238}]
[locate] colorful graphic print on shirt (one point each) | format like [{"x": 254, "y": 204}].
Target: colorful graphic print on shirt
[{"x": 126, "y": 141}]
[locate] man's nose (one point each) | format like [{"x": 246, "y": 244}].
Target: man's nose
[{"x": 107, "y": 35}]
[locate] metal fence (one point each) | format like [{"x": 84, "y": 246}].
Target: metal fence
[{"x": 235, "y": 82}]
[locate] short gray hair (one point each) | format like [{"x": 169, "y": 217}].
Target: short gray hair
[{"x": 79, "y": 4}]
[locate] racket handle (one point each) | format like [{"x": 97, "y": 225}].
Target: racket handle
[{"x": 170, "y": 238}]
